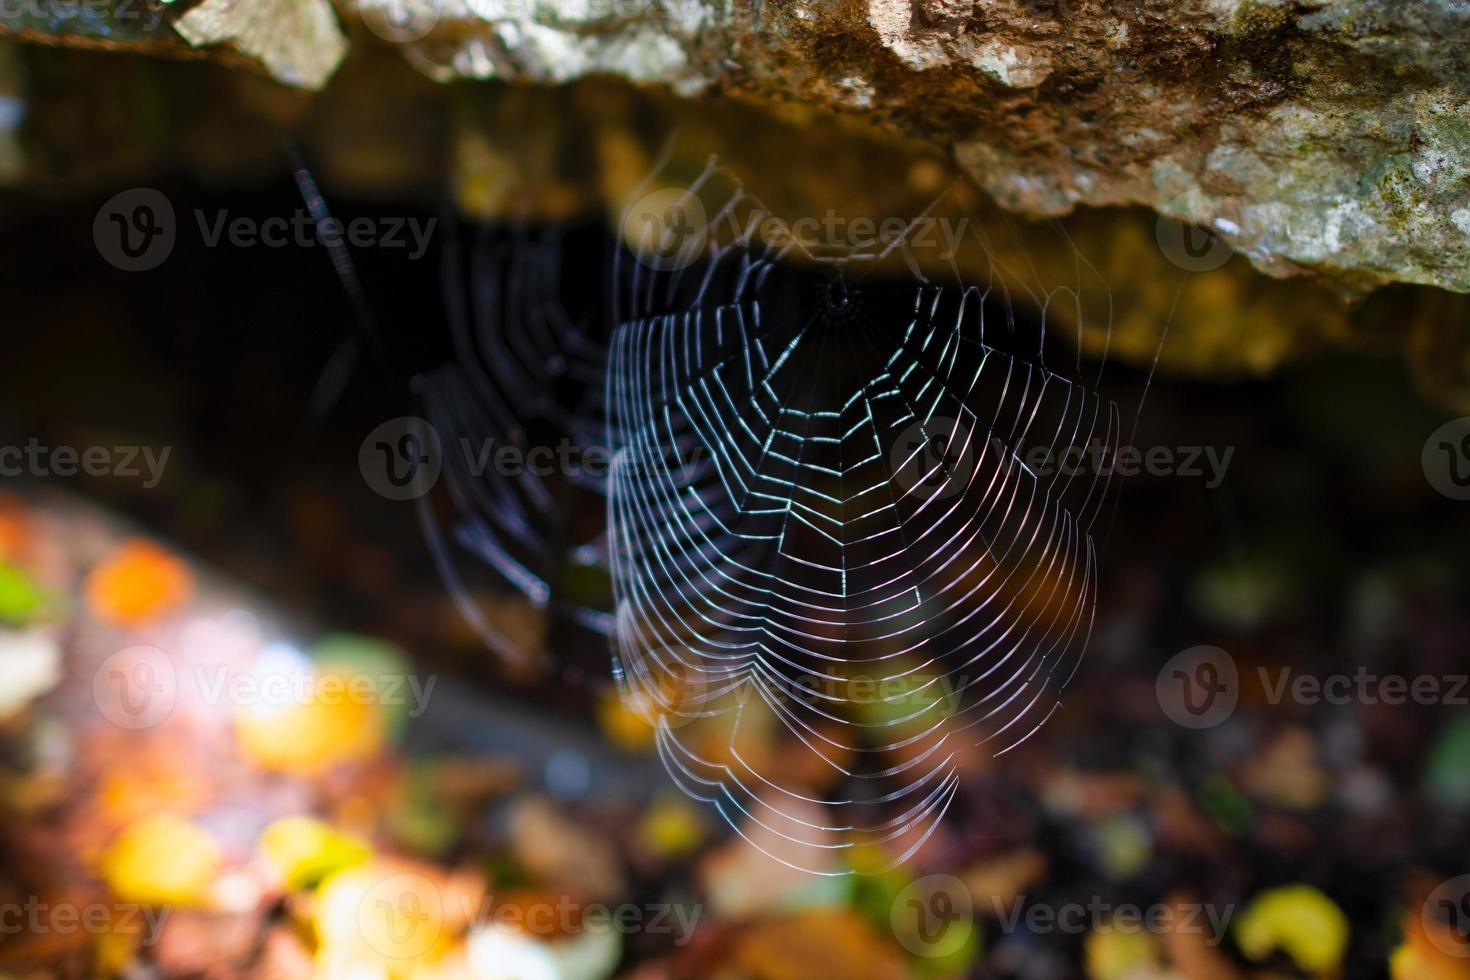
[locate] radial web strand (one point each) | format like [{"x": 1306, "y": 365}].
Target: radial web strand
[{"x": 836, "y": 512}]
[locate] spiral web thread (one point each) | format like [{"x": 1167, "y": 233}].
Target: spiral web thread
[
  {"x": 823, "y": 516},
  {"x": 524, "y": 372},
  {"x": 823, "y": 521}
]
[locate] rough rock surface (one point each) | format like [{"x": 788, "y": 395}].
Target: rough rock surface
[{"x": 1326, "y": 136}]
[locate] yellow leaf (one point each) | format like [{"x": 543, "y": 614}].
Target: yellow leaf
[
  {"x": 671, "y": 827},
  {"x": 162, "y": 859},
  {"x": 1115, "y": 955},
  {"x": 626, "y": 728},
  {"x": 385, "y": 914},
  {"x": 310, "y": 736},
  {"x": 301, "y": 851},
  {"x": 1427, "y": 952},
  {"x": 1298, "y": 920}
]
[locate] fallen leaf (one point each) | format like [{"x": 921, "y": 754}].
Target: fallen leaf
[
  {"x": 162, "y": 859},
  {"x": 139, "y": 582}
]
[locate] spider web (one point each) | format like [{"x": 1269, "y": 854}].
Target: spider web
[
  {"x": 842, "y": 558},
  {"x": 825, "y": 520},
  {"x": 526, "y": 376}
]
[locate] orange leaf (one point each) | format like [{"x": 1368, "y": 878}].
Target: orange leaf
[{"x": 139, "y": 582}]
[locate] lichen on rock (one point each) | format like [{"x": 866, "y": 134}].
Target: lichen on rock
[
  {"x": 1317, "y": 137},
  {"x": 1329, "y": 137}
]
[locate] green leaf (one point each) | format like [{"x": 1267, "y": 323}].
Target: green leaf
[{"x": 21, "y": 600}]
